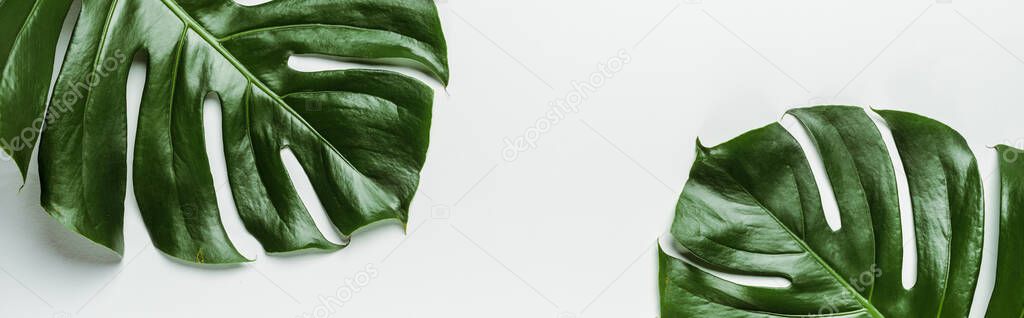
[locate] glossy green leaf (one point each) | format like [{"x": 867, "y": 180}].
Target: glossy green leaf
[
  {"x": 1008, "y": 297},
  {"x": 361, "y": 135},
  {"x": 752, "y": 207}
]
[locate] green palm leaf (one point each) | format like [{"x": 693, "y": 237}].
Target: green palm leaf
[
  {"x": 360, "y": 135},
  {"x": 752, "y": 207}
]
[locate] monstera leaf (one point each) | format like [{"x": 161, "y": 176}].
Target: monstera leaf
[
  {"x": 360, "y": 135},
  {"x": 752, "y": 207}
]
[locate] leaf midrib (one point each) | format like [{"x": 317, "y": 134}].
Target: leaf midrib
[
  {"x": 210, "y": 39},
  {"x": 194, "y": 25},
  {"x": 803, "y": 245}
]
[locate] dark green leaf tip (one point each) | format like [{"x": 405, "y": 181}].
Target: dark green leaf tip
[{"x": 702, "y": 151}]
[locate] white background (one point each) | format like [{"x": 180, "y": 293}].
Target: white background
[{"x": 567, "y": 229}]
